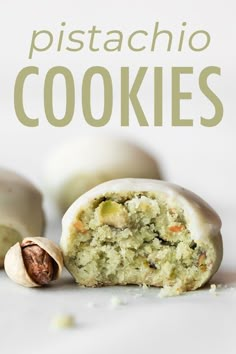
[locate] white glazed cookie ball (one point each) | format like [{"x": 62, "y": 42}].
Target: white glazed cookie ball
[
  {"x": 21, "y": 213},
  {"x": 141, "y": 231},
  {"x": 79, "y": 165}
]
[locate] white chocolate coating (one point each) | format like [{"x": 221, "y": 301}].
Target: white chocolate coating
[
  {"x": 20, "y": 205},
  {"x": 202, "y": 220},
  {"x": 104, "y": 156}
]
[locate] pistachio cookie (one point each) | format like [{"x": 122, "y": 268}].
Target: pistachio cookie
[
  {"x": 141, "y": 231},
  {"x": 21, "y": 213},
  {"x": 79, "y": 165}
]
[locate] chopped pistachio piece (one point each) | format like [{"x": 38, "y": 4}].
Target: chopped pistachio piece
[{"x": 113, "y": 214}]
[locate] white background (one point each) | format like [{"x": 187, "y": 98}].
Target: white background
[{"x": 201, "y": 159}]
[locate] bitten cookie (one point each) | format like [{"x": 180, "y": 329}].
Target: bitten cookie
[
  {"x": 141, "y": 231},
  {"x": 21, "y": 213}
]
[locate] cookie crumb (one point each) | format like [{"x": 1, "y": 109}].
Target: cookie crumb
[
  {"x": 115, "y": 301},
  {"x": 145, "y": 287},
  {"x": 168, "y": 291},
  {"x": 63, "y": 322},
  {"x": 212, "y": 289}
]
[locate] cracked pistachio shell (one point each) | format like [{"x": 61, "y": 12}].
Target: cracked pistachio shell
[{"x": 14, "y": 263}]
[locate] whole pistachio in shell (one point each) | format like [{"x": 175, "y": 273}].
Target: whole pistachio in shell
[{"x": 34, "y": 262}]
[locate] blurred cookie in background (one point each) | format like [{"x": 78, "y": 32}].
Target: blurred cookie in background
[{"x": 78, "y": 165}]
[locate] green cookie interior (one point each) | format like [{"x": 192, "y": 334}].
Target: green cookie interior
[{"x": 136, "y": 238}]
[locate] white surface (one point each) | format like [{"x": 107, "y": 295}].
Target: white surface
[
  {"x": 201, "y": 159},
  {"x": 201, "y": 321}
]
